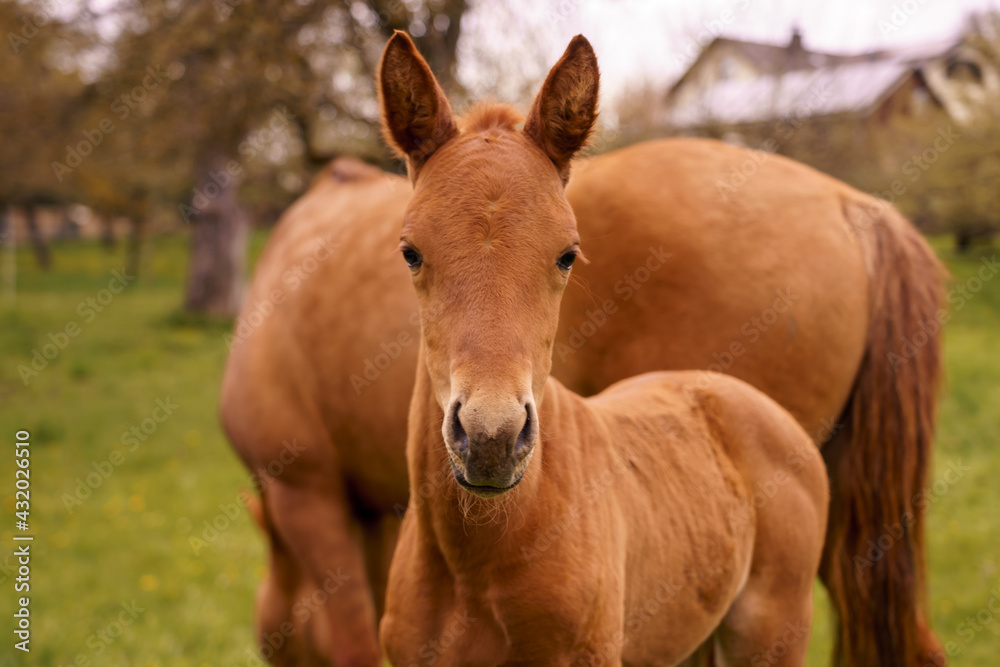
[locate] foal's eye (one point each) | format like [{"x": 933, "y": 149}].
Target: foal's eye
[
  {"x": 566, "y": 261},
  {"x": 413, "y": 258}
]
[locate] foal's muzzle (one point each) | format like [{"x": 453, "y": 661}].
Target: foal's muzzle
[{"x": 490, "y": 442}]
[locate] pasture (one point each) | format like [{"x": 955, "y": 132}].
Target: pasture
[{"x": 144, "y": 554}]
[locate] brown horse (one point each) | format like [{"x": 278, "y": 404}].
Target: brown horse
[
  {"x": 797, "y": 284},
  {"x": 490, "y": 241}
]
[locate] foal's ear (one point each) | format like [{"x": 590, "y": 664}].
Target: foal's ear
[
  {"x": 416, "y": 116},
  {"x": 563, "y": 115}
]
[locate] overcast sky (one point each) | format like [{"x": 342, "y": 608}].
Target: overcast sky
[{"x": 657, "y": 39}]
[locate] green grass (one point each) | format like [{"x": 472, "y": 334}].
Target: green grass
[{"x": 129, "y": 540}]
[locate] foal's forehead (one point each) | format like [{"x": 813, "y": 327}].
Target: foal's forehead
[
  {"x": 494, "y": 172},
  {"x": 490, "y": 159}
]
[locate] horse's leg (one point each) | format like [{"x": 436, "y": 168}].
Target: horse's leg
[
  {"x": 276, "y": 597},
  {"x": 703, "y": 657},
  {"x": 763, "y": 630},
  {"x": 315, "y": 521},
  {"x": 770, "y": 620},
  {"x": 380, "y": 536}
]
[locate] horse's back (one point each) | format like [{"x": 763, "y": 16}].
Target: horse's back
[
  {"x": 764, "y": 281},
  {"x": 681, "y": 420}
]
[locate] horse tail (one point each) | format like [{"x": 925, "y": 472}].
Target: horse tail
[{"x": 873, "y": 562}]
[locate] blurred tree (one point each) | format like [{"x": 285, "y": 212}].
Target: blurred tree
[
  {"x": 136, "y": 108},
  {"x": 39, "y": 96},
  {"x": 956, "y": 183},
  {"x": 38, "y": 243},
  {"x": 968, "y": 195},
  {"x": 243, "y": 93}
]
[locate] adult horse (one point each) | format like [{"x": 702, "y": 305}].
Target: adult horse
[{"x": 813, "y": 292}]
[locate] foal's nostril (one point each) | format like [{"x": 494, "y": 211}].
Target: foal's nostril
[
  {"x": 458, "y": 435},
  {"x": 524, "y": 437}
]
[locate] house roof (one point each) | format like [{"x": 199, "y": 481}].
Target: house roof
[
  {"x": 852, "y": 87},
  {"x": 771, "y": 57},
  {"x": 843, "y": 84},
  {"x": 767, "y": 58}
]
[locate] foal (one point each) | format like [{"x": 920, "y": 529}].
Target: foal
[{"x": 675, "y": 516}]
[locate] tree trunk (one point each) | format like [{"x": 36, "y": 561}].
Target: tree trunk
[
  {"x": 441, "y": 49},
  {"x": 963, "y": 241},
  {"x": 137, "y": 224},
  {"x": 218, "y": 243},
  {"x": 38, "y": 243},
  {"x": 107, "y": 230},
  {"x": 68, "y": 231},
  {"x": 134, "y": 248},
  {"x": 8, "y": 265}
]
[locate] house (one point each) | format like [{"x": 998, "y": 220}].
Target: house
[
  {"x": 734, "y": 84},
  {"x": 916, "y": 127}
]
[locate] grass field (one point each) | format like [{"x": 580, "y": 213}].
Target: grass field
[{"x": 115, "y": 579}]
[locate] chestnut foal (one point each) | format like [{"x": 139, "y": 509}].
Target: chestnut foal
[{"x": 672, "y": 517}]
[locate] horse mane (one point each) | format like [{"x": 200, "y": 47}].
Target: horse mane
[{"x": 485, "y": 116}]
